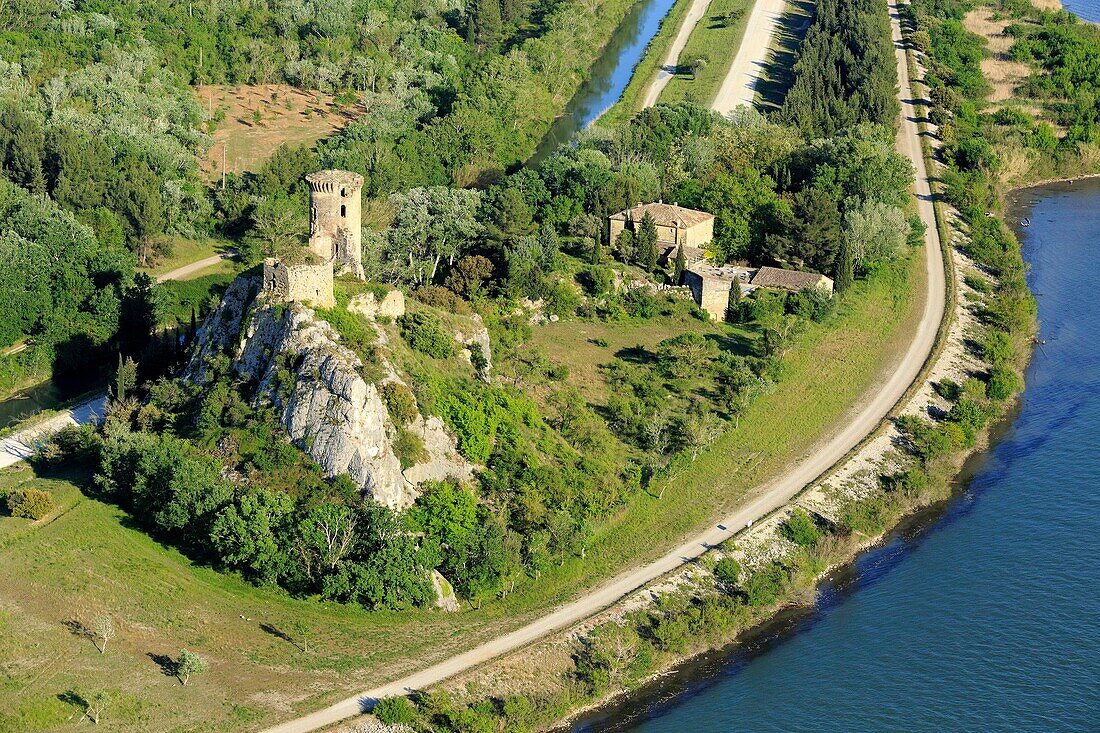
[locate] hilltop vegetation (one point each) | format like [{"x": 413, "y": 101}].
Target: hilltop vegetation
[{"x": 95, "y": 109}]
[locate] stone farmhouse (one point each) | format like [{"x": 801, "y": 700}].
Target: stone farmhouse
[
  {"x": 711, "y": 284},
  {"x": 676, "y": 226},
  {"x": 335, "y": 242}
]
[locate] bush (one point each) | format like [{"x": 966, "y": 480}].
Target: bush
[
  {"x": 442, "y": 298},
  {"x": 562, "y": 300},
  {"x": 409, "y": 448},
  {"x": 1003, "y": 383},
  {"x": 728, "y": 572},
  {"x": 400, "y": 403},
  {"x": 641, "y": 303},
  {"x": 597, "y": 280},
  {"x": 395, "y": 711},
  {"x": 424, "y": 332},
  {"x": 763, "y": 587},
  {"x": 30, "y": 503},
  {"x": 997, "y": 348},
  {"x": 978, "y": 283},
  {"x": 949, "y": 389},
  {"x": 800, "y": 529}
]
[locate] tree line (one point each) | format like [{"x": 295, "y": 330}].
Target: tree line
[{"x": 845, "y": 74}]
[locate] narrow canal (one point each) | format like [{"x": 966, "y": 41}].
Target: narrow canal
[{"x": 609, "y": 76}]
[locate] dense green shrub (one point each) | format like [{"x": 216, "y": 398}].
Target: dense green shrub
[
  {"x": 395, "y": 711},
  {"x": 30, "y": 503},
  {"x": 1004, "y": 382},
  {"x": 424, "y": 332},
  {"x": 442, "y": 298},
  {"x": 728, "y": 572},
  {"x": 409, "y": 448},
  {"x": 764, "y": 586},
  {"x": 800, "y": 528},
  {"x": 400, "y": 403}
]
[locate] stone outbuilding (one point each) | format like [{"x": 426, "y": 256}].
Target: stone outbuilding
[
  {"x": 676, "y": 226},
  {"x": 711, "y": 284},
  {"x": 793, "y": 280}
]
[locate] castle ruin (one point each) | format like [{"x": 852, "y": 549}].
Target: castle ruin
[
  {"x": 335, "y": 242},
  {"x": 336, "y": 219}
]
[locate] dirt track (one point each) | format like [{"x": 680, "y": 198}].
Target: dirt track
[
  {"x": 668, "y": 67},
  {"x": 739, "y": 87}
]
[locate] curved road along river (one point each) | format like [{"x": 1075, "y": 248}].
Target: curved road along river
[{"x": 770, "y": 497}]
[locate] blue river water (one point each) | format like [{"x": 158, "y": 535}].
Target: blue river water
[
  {"x": 980, "y": 615},
  {"x": 1084, "y": 9}
]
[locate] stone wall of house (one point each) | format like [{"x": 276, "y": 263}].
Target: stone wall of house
[
  {"x": 711, "y": 294},
  {"x": 699, "y": 235}
]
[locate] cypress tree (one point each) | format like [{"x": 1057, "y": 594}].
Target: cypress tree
[
  {"x": 845, "y": 270},
  {"x": 647, "y": 249},
  {"x": 485, "y": 24},
  {"x": 680, "y": 266},
  {"x": 597, "y": 249},
  {"x": 733, "y": 310}
]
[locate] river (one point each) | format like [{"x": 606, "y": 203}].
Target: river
[
  {"x": 609, "y": 76},
  {"x": 1085, "y": 9},
  {"x": 981, "y": 614}
]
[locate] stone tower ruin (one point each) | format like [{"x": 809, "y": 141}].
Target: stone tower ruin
[{"x": 335, "y": 219}]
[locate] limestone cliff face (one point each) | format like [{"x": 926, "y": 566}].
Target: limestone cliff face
[{"x": 298, "y": 366}]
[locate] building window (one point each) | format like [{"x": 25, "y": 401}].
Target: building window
[
  {"x": 343, "y": 193},
  {"x": 343, "y": 211}
]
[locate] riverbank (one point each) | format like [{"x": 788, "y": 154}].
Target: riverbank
[
  {"x": 948, "y": 604},
  {"x": 854, "y": 494}
]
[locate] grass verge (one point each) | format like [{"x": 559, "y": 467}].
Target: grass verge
[
  {"x": 716, "y": 41},
  {"x": 632, "y": 97}
]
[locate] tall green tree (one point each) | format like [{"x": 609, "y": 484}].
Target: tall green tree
[
  {"x": 647, "y": 243},
  {"x": 485, "y": 26},
  {"x": 845, "y": 267}
]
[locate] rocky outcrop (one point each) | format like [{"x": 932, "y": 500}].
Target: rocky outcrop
[
  {"x": 298, "y": 366},
  {"x": 476, "y": 336},
  {"x": 445, "y": 598},
  {"x": 392, "y": 305},
  {"x": 444, "y": 459},
  {"x": 296, "y": 363}
]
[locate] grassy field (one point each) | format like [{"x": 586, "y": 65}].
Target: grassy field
[
  {"x": 181, "y": 296},
  {"x": 580, "y": 346},
  {"x": 184, "y": 251},
  {"x": 717, "y": 42},
  {"x": 778, "y": 73},
  {"x": 90, "y": 561},
  {"x": 631, "y": 100}
]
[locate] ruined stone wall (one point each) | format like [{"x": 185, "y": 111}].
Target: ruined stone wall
[{"x": 309, "y": 284}]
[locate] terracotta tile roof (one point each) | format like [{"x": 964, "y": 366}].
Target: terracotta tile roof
[
  {"x": 774, "y": 277},
  {"x": 664, "y": 215}
]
